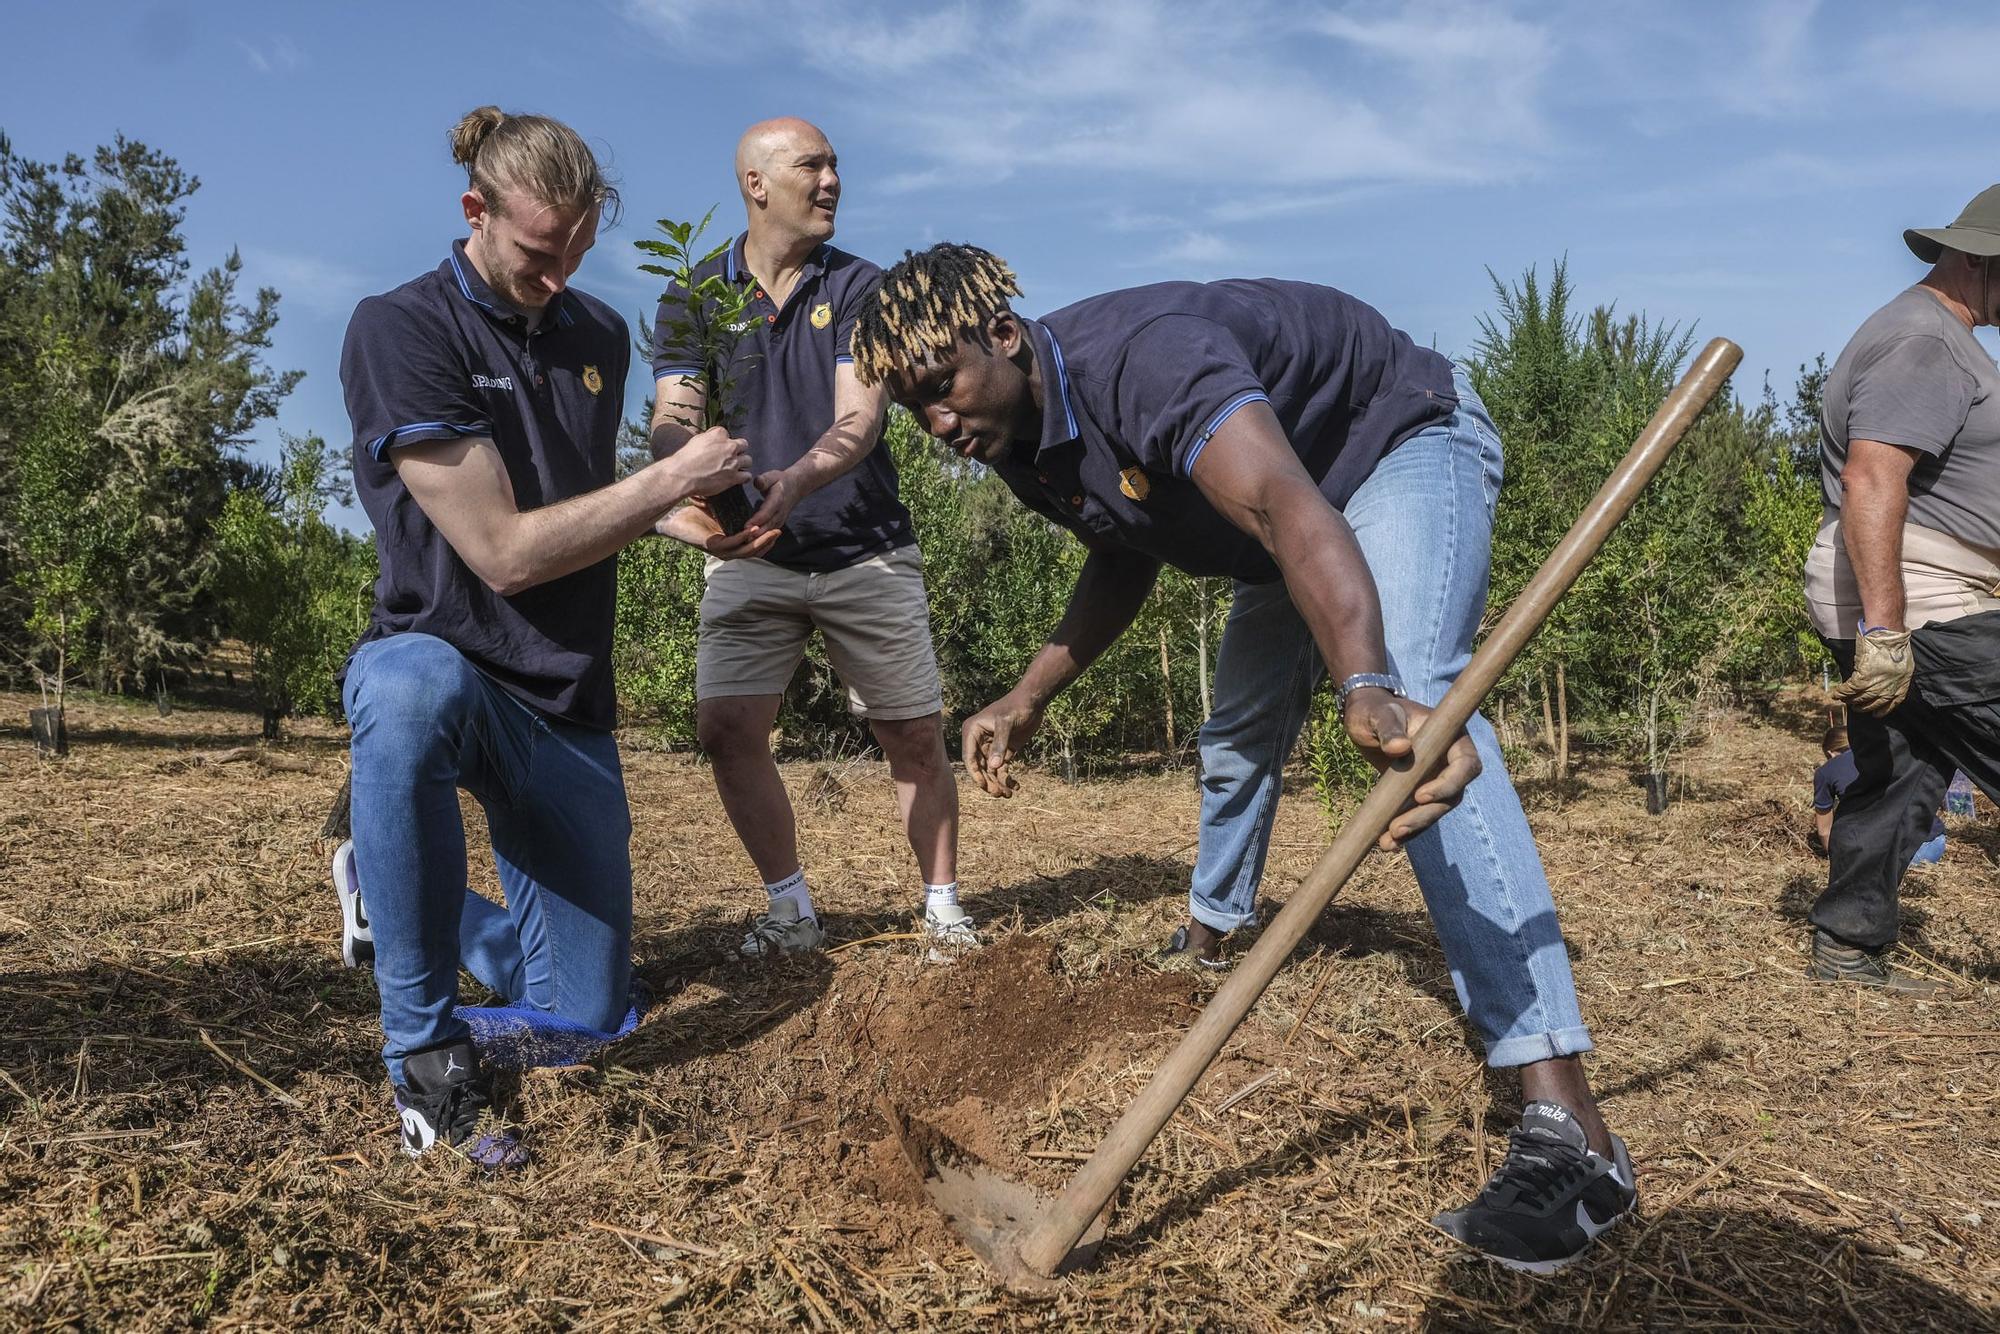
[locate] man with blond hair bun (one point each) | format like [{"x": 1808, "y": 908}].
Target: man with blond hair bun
[
  {"x": 486, "y": 398},
  {"x": 829, "y": 546}
]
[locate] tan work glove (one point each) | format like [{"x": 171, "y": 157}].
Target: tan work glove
[{"x": 1883, "y": 666}]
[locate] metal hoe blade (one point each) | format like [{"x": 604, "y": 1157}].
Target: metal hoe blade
[{"x": 992, "y": 1213}]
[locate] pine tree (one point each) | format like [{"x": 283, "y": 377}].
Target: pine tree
[{"x": 148, "y": 385}]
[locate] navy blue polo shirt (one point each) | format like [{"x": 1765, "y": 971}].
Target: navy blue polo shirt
[
  {"x": 444, "y": 356},
  {"x": 1832, "y": 779},
  {"x": 782, "y": 403},
  {"x": 1136, "y": 382}
]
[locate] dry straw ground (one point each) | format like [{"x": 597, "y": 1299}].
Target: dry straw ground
[{"x": 194, "y": 1130}]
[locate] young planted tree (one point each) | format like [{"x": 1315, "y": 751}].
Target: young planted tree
[
  {"x": 1641, "y": 641},
  {"x": 295, "y": 589},
  {"x": 64, "y": 539},
  {"x": 1545, "y": 393},
  {"x": 1184, "y": 618},
  {"x": 707, "y": 318}
]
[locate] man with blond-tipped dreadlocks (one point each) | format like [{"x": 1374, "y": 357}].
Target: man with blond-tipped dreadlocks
[{"x": 1284, "y": 435}]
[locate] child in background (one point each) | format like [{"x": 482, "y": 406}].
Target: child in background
[{"x": 1832, "y": 778}]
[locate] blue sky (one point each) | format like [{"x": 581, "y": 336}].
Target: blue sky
[{"x": 1746, "y": 167}]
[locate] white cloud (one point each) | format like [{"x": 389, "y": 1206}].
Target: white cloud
[
  {"x": 1475, "y": 64},
  {"x": 1777, "y": 75},
  {"x": 320, "y": 285},
  {"x": 1190, "y": 250},
  {"x": 897, "y": 49},
  {"x": 1943, "y": 65},
  {"x": 1279, "y": 204},
  {"x": 1782, "y": 174},
  {"x": 1216, "y": 96},
  {"x": 279, "y": 55},
  {"x": 1207, "y": 125},
  {"x": 1124, "y": 219},
  {"x": 1663, "y": 69},
  {"x": 1806, "y": 62}
]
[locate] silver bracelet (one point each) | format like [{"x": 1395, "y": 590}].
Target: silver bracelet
[{"x": 1364, "y": 680}]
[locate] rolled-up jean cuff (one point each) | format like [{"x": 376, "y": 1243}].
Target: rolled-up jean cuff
[
  {"x": 1216, "y": 921},
  {"x": 1532, "y": 1047}
]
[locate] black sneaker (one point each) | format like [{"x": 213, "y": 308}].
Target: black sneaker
[
  {"x": 446, "y": 1098},
  {"x": 1834, "y": 960},
  {"x": 357, "y": 938},
  {"x": 1550, "y": 1197},
  {"x": 1180, "y": 957}
]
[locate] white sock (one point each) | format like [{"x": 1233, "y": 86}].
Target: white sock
[
  {"x": 793, "y": 887},
  {"x": 940, "y": 896}
]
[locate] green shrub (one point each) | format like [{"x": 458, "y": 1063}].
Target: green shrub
[{"x": 294, "y": 589}]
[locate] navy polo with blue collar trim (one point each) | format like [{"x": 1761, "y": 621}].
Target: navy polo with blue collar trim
[
  {"x": 1136, "y": 383},
  {"x": 782, "y": 402},
  {"x": 443, "y": 356}
]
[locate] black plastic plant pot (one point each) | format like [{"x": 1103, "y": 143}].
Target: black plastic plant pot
[
  {"x": 51, "y": 736},
  {"x": 732, "y": 508},
  {"x": 1656, "y": 794}
]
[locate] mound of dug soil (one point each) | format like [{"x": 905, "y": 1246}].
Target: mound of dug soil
[{"x": 1005, "y": 1023}]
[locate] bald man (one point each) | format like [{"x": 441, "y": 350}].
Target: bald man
[{"x": 828, "y": 547}]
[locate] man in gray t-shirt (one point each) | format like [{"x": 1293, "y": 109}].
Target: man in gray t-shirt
[
  {"x": 1904, "y": 579},
  {"x": 1915, "y": 377}
]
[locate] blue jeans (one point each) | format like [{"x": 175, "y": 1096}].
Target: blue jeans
[
  {"x": 1424, "y": 519},
  {"x": 427, "y": 723}
]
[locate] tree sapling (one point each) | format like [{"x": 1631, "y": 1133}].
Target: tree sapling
[{"x": 706, "y": 318}]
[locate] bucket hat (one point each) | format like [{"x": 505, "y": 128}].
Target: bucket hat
[{"x": 1976, "y": 232}]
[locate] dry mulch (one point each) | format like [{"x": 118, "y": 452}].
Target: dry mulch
[{"x": 194, "y": 1128}]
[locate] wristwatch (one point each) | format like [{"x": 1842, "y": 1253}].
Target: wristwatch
[{"x": 1365, "y": 680}]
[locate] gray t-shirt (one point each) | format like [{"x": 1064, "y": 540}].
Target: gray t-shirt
[{"x": 1913, "y": 375}]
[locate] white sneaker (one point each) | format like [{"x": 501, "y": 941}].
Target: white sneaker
[
  {"x": 949, "y": 932},
  {"x": 357, "y": 938},
  {"x": 781, "y": 931}
]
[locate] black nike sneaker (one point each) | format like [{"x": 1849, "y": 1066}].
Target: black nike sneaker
[
  {"x": 1550, "y": 1197},
  {"x": 445, "y": 1098}
]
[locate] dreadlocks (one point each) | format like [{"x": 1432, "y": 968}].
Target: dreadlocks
[{"x": 926, "y": 303}]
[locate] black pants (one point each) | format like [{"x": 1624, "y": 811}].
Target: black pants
[{"x": 1951, "y": 720}]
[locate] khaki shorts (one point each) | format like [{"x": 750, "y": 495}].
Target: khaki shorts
[{"x": 755, "y": 617}]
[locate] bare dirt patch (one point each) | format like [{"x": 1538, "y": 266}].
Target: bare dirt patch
[
  {"x": 194, "y": 1128},
  {"x": 1007, "y": 1022}
]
